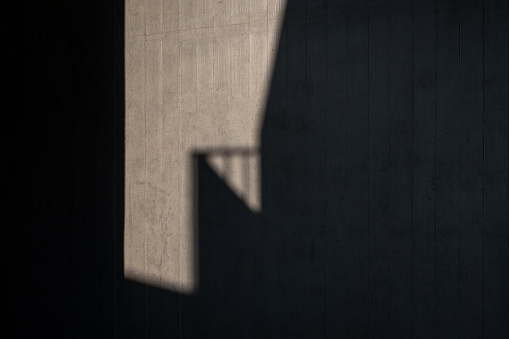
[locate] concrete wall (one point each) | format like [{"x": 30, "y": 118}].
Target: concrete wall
[
  {"x": 372, "y": 148},
  {"x": 383, "y": 154},
  {"x": 197, "y": 78}
]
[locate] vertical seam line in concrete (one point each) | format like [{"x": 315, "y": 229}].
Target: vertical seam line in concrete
[
  {"x": 459, "y": 174},
  {"x": 435, "y": 152},
  {"x": 179, "y": 184},
  {"x": 306, "y": 122},
  {"x": 284, "y": 31},
  {"x": 413, "y": 154},
  {"x": 483, "y": 176},
  {"x": 145, "y": 172},
  {"x": 161, "y": 159},
  {"x": 347, "y": 189},
  {"x": 369, "y": 178},
  {"x": 326, "y": 179},
  {"x": 390, "y": 171},
  {"x": 115, "y": 157}
]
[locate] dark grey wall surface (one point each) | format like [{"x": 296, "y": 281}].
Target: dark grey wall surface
[{"x": 384, "y": 182}]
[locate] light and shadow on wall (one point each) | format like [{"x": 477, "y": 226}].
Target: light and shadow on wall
[{"x": 197, "y": 85}]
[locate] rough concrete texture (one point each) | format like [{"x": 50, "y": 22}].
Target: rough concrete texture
[{"x": 197, "y": 75}]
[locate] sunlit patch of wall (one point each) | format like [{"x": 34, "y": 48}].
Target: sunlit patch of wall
[{"x": 197, "y": 78}]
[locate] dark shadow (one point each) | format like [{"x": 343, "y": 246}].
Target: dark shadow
[{"x": 352, "y": 240}]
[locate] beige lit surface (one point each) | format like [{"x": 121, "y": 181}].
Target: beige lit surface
[{"x": 197, "y": 76}]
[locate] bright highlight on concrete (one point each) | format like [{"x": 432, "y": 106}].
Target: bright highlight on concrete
[{"x": 197, "y": 79}]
